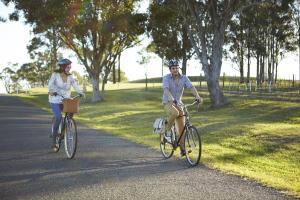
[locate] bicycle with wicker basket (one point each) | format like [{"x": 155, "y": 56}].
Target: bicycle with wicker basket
[
  {"x": 169, "y": 143},
  {"x": 67, "y": 131}
]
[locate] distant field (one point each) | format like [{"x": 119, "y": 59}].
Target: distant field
[{"x": 257, "y": 137}]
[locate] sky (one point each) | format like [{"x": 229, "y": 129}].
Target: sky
[{"x": 15, "y": 36}]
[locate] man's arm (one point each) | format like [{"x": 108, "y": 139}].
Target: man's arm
[
  {"x": 196, "y": 95},
  {"x": 168, "y": 94}
]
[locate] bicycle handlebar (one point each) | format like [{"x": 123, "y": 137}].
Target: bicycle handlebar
[
  {"x": 74, "y": 97},
  {"x": 188, "y": 105}
]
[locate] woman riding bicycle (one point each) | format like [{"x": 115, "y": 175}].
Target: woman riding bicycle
[
  {"x": 173, "y": 86},
  {"x": 59, "y": 87}
]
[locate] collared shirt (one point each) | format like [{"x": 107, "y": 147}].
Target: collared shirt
[
  {"x": 56, "y": 84},
  {"x": 176, "y": 87}
]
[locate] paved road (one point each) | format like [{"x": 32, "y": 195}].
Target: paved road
[{"x": 105, "y": 166}]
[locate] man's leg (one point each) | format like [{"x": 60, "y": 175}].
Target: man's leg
[
  {"x": 172, "y": 113},
  {"x": 179, "y": 123}
]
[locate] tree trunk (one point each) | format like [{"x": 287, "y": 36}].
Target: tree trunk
[
  {"x": 96, "y": 96},
  {"x": 213, "y": 72},
  {"x": 146, "y": 82},
  {"x": 257, "y": 69},
  {"x": 215, "y": 93},
  {"x": 119, "y": 68},
  {"x": 262, "y": 70},
  {"x": 54, "y": 49},
  {"x": 276, "y": 68},
  {"x": 184, "y": 62},
  {"x": 114, "y": 74},
  {"x": 162, "y": 67},
  {"x": 104, "y": 81},
  {"x": 248, "y": 65},
  {"x": 272, "y": 59},
  {"x": 242, "y": 65},
  {"x": 184, "y": 47},
  {"x": 241, "y": 72},
  {"x": 242, "y": 51}
]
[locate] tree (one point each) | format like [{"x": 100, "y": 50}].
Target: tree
[
  {"x": 236, "y": 40},
  {"x": 144, "y": 60},
  {"x": 10, "y": 77},
  {"x": 96, "y": 31},
  {"x": 170, "y": 38},
  {"x": 296, "y": 16},
  {"x": 121, "y": 74},
  {"x": 207, "y": 23},
  {"x": 47, "y": 41}
]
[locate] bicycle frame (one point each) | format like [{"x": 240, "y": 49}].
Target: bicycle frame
[
  {"x": 187, "y": 123},
  {"x": 65, "y": 121}
]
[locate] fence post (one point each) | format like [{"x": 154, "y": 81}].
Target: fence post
[
  {"x": 293, "y": 80},
  {"x": 200, "y": 79}
]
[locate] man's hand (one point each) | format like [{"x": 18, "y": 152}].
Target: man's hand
[
  {"x": 175, "y": 102},
  {"x": 82, "y": 95},
  {"x": 199, "y": 100}
]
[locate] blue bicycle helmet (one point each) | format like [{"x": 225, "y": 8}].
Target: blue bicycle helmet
[
  {"x": 173, "y": 62},
  {"x": 64, "y": 61}
]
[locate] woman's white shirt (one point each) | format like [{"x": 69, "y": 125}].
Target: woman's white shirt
[{"x": 56, "y": 84}]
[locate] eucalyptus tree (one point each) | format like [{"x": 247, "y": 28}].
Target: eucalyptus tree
[
  {"x": 10, "y": 77},
  {"x": 48, "y": 41},
  {"x": 236, "y": 40},
  {"x": 296, "y": 16},
  {"x": 2, "y": 19},
  {"x": 168, "y": 33},
  {"x": 207, "y": 23},
  {"x": 97, "y": 31}
]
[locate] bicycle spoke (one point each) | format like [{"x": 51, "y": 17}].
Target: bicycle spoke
[
  {"x": 193, "y": 147},
  {"x": 70, "y": 138}
]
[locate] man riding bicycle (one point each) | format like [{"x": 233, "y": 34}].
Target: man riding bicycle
[
  {"x": 173, "y": 87},
  {"x": 59, "y": 87}
]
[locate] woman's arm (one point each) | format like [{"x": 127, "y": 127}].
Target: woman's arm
[{"x": 51, "y": 84}]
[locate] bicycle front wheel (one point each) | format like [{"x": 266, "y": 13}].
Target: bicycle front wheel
[
  {"x": 70, "y": 138},
  {"x": 193, "y": 146}
]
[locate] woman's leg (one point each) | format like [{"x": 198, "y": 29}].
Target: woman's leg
[{"x": 57, "y": 117}]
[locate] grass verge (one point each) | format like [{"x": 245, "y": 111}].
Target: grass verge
[{"x": 253, "y": 138}]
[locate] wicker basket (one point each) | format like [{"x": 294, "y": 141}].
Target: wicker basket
[{"x": 71, "y": 105}]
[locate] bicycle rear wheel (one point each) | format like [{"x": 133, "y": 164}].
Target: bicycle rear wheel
[
  {"x": 166, "y": 146},
  {"x": 193, "y": 146},
  {"x": 70, "y": 138}
]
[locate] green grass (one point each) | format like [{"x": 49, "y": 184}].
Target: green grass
[{"x": 253, "y": 138}]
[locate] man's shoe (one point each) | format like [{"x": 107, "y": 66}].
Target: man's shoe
[
  {"x": 168, "y": 136},
  {"x": 182, "y": 152}
]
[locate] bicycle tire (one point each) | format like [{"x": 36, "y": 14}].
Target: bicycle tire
[
  {"x": 193, "y": 146},
  {"x": 70, "y": 138},
  {"x": 166, "y": 147}
]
